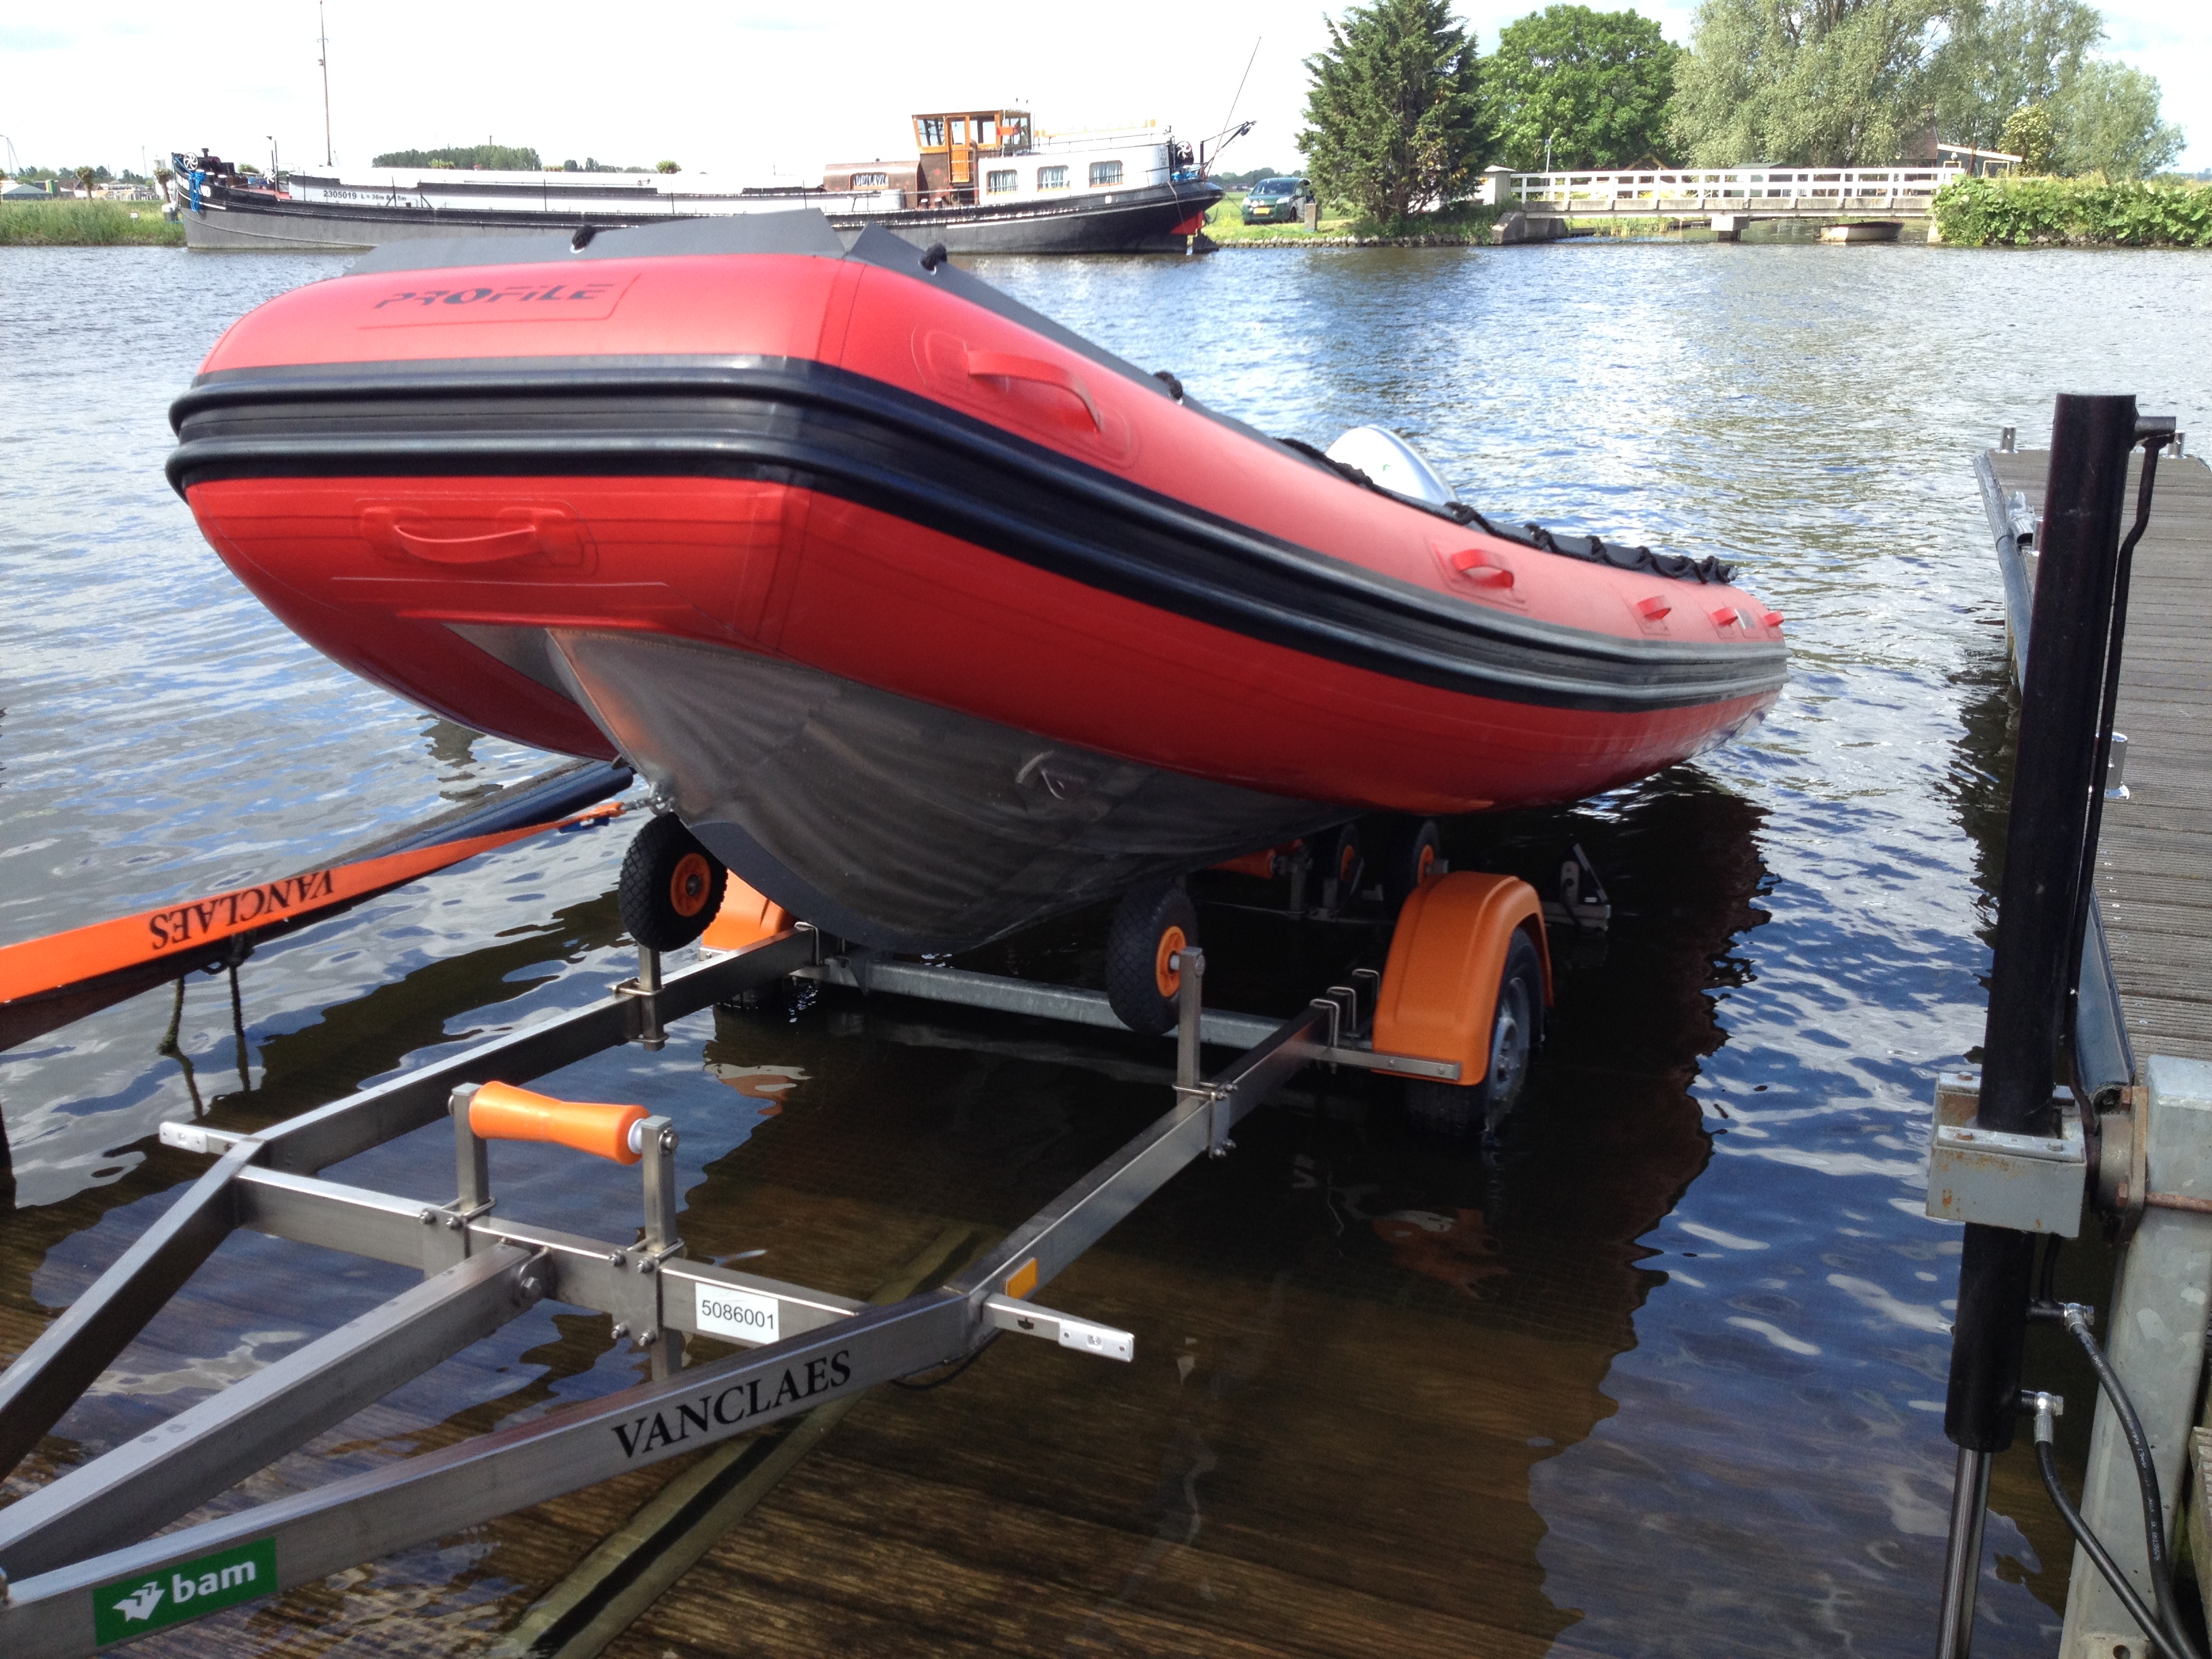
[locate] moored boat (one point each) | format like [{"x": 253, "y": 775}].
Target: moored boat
[
  {"x": 927, "y": 616},
  {"x": 982, "y": 181}
]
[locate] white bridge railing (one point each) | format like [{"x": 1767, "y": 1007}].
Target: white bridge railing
[{"x": 1780, "y": 191}]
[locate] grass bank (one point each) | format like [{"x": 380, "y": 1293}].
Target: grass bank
[
  {"x": 70, "y": 223},
  {"x": 2074, "y": 213},
  {"x": 1454, "y": 227}
]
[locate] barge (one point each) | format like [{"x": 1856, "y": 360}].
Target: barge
[{"x": 982, "y": 181}]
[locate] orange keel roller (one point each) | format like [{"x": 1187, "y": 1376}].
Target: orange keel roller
[
  {"x": 746, "y": 917},
  {"x": 500, "y": 1111}
]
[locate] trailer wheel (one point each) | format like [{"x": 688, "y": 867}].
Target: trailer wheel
[
  {"x": 1516, "y": 1031},
  {"x": 1414, "y": 853},
  {"x": 1150, "y": 924},
  {"x": 672, "y": 886}
]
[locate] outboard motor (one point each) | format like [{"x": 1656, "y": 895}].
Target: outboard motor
[{"x": 1391, "y": 461}]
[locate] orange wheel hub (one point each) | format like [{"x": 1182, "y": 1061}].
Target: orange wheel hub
[
  {"x": 1165, "y": 973},
  {"x": 1428, "y": 865},
  {"x": 689, "y": 884}
]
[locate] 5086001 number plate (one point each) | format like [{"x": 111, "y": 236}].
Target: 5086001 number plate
[{"x": 740, "y": 1314}]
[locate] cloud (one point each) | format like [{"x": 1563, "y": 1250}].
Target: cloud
[{"x": 15, "y": 39}]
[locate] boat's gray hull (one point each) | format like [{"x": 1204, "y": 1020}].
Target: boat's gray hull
[
  {"x": 1140, "y": 221},
  {"x": 884, "y": 820}
]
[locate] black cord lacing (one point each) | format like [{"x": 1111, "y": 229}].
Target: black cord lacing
[{"x": 1592, "y": 549}]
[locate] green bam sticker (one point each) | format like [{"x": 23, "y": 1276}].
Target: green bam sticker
[{"x": 169, "y": 1596}]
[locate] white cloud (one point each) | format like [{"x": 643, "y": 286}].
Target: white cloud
[
  {"x": 2173, "y": 43},
  {"x": 745, "y": 90}
]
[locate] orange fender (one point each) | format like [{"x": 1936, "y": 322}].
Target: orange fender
[
  {"x": 1447, "y": 961},
  {"x": 747, "y": 918}
]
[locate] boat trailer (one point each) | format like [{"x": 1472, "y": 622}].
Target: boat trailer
[{"x": 78, "y": 1571}]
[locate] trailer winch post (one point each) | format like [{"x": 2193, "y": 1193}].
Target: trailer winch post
[{"x": 2030, "y": 974}]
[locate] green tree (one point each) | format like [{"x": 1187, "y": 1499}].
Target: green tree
[
  {"x": 666, "y": 167},
  {"x": 2003, "y": 56},
  {"x": 2028, "y": 134},
  {"x": 1592, "y": 85},
  {"x": 506, "y": 158},
  {"x": 1828, "y": 83},
  {"x": 2107, "y": 122},
  {"x": 1396, "y": 119}
]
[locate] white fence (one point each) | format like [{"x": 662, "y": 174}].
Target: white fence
[{"x": 1776, "y": 191}]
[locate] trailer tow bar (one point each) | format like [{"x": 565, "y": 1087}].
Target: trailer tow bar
[{"x": 78, "y": 1572}]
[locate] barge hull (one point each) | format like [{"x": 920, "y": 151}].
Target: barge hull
[{"x": 1152, "y": 219}]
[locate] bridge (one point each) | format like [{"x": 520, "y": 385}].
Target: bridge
[{"x": 1737, "y": 195}]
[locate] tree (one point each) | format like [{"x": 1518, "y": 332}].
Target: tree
[
  {"x": 1827, "y": 82},
  {"x": 666, "y": 167},
  {"x": 2107, "y": 121},
  {"x": 513, "y": 158},
  {"x": 1590, "y": 86},
  {"x": 2028, "y": 134},
  {"x": 2004, "y": 57},
  {"x": 1396, "y": 116}
]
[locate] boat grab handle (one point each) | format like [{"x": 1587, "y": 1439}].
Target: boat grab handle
[
  {"x": 523, "y": 532},
  {"x": 1006, "y": 366},
  {"x": 469, "y": 549}
]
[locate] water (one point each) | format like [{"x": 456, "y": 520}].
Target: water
[{"x": 1661, "y": 1375}]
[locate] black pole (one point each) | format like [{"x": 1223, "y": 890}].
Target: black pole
[{"x": 2053, "y": 775}]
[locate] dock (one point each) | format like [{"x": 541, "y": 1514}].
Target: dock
[{"x": 2155, "y": 854}]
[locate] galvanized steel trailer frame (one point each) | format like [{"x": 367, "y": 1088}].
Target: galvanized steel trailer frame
[{"x": 74, "y": 1554}]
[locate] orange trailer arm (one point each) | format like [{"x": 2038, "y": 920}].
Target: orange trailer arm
[{"x": 59, "y": 961}]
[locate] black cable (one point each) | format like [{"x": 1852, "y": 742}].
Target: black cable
[
  {"x": 2116, "y": 636},
  {"x": 2048, "y": 1462},
  {"x": 912, "y": 1387},
  {"x": 2123, "y": 1411}
]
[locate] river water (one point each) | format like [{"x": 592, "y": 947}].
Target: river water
[{"x": 1661, "y": 1374}]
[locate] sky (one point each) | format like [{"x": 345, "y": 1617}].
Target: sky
[{"x": 740, "y": 90}]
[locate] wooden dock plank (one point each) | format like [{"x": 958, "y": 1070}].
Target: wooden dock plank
[{"x": 2154, "y": 856}]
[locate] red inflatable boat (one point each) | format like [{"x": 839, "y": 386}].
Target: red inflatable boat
[{"x": 927, "y": 616}]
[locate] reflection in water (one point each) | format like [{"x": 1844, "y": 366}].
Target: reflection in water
[
  {"x": 1348, "y": 1307},
  {"x": 453, "y": 747}
]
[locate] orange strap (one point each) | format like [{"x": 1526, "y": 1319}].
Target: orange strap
[
  {"x": 500, "y": 1111},
  {"x": 61, "y": 960}
]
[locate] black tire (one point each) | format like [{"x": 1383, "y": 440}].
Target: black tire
[
  {"x": 1516, "y": 1032},
  {"x": 1414, "y": 851},
  {"x": 672, "y": 886},
  {"x": 1150, "y": 924}
]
